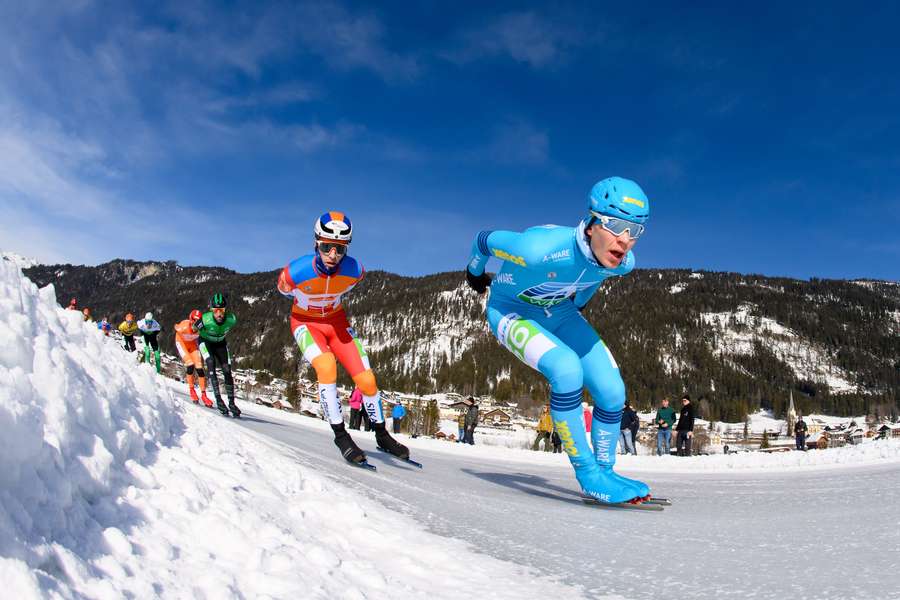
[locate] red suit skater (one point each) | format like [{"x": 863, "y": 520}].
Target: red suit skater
[
  {"x": 186, "y": 343},
  {"x": 316, "y": 282}
]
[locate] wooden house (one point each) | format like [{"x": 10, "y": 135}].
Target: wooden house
[{"x": 496, "y": 416}]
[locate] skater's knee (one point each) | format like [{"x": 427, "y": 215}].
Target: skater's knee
[
  {"x": 609, "y": 392},
  {"x": 189, "y": 369},
  {"x": 365, "y": 381},
  {"x": 326, "y": 368},
  {"x": 564, "y": 371},
  {"x": 200, "y": 373}
]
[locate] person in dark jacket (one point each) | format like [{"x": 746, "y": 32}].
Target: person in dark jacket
[
  {"x": 800, "y": 430},
  {"x": 628, "y": 429},
  {"x": 685, "y": 427},
  {"x": 471, "y": 421},
  {"x": 556, "y": 441}
]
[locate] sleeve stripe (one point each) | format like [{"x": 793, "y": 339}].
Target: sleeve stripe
[{"x": 482, "y": 242}]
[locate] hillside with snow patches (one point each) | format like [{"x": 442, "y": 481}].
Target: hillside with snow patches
[
  {"x": 744, "y": 342},
  {"x": 111, "y": 488}
]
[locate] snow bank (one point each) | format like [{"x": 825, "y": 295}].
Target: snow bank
[
  {"x": 109, "y": 488},
  {"x": 72, "y": 434}
]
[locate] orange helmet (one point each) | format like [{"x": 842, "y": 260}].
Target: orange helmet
[
  {"x": 129, "y": 317},
  {"x": 86, "y": 311},
  {"x": 195, "y": 314}
]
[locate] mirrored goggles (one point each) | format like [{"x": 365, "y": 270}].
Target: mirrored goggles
[
  {"x": 327, "y": 247},
  {"x": 618, "y": 226}
]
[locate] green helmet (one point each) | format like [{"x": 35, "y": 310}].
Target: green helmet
[{"x": 218, "y": 300}]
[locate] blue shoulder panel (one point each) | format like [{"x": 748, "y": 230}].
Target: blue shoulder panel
[
  {"x": 350, "y": 267},
  {"x": 301, "y": 269}
]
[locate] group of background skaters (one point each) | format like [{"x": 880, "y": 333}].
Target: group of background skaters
[
  {"x": 546, "y": 278},
  {"x": 200, "y": 341}
]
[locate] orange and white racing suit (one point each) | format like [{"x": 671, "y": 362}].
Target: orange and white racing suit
[
  {"x": 322, "y": 332},
  {"x": 186, "y": 343}
]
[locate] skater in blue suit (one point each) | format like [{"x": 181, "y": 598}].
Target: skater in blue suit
[{"x": 548, "y": 275}]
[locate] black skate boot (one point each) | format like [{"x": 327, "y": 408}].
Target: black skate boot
[
  {"x": 349, "y": 449},
  {"x": 384, "y": 441},
  {"x": 235, "y": 411},
  {"x": 223, "y": 408}
]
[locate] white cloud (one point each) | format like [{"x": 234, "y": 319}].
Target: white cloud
[
  {"x": 525, "y": 37},
  {"x": 350, "y": 40}
]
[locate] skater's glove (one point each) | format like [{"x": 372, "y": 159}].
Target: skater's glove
[
  {"x": 197, "y": 325},
  {"x": 479, "y": 283}
]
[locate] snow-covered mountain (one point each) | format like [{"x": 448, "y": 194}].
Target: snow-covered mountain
[{"x": 742, "y": 342}]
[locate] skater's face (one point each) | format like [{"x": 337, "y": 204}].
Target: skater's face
[
  {"x": 609, "y": 249},
  {"x": 331, "y": 253},
  {"x": 218, "y": 314}
]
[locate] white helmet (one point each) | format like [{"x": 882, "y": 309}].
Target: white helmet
[
  {"x": 335, "y": 226},
  {"x": 148, "y": 316}
]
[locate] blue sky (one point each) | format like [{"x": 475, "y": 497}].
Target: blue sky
[{"x": 766, "y": 136}]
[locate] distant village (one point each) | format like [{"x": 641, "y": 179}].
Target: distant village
[{"x": 764, "y": 433}]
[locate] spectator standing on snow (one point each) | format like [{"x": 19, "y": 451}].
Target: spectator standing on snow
[
  {"x": 355, "y": 409},
  {"x": 627, "y": 428},
  {"x": 685, "y": 427},
  {"x": 665, "y": 421},
  {"x": 557, "y": 442},
  {"x": 471, "y": 421},
  {"x": 397, "y": 414},
  {"x": 544, "y": 428},
  {"x": 800, "y": 430}
]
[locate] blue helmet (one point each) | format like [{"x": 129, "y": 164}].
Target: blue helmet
[{"x": 619, "y": 197}]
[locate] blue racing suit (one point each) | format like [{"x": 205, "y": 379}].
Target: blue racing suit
[{"x": 547, "y": 276}]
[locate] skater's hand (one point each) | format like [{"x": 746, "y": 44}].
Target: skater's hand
[
  {"x": 479, "y": 283},
  {"x": 690, "y": 434},
  {"x": 197, "y": 325}
]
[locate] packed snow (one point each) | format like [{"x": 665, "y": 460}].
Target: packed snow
[{"x": 111, "y": 488}]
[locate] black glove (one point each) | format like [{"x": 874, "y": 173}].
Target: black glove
[
  {"x": 197, "y": 325},
  {"x": 479, "y": 283}
]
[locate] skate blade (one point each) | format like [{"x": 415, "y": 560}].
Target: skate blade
[
  {"x": 622, "y": 505},
  {"x": 406, "y": 460},
  {"x": 363, "y": 465},
  {"x": 660, "y": 501}
]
